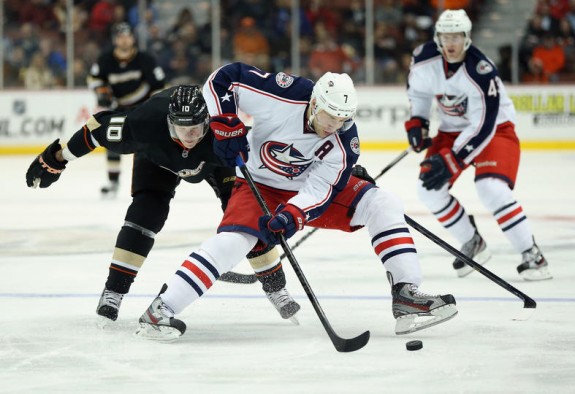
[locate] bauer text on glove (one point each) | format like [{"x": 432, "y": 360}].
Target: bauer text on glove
[{"x": 230, "y": 138}]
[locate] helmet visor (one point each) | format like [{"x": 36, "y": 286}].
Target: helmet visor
[{"x": 189, "y": 135}]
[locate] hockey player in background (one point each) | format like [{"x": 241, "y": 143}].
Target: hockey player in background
[
  {"x": 122, "y": 78},
  {"x": 302, "y": 148},
  {"x": 476, "y": 129},
  {"x": 168, "y": 135}
]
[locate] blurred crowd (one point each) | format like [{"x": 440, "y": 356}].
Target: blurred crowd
[
  {"x": 332, "y": 37},
  {"x": 547, "y": 51}
]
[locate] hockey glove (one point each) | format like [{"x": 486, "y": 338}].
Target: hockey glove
[
  {"x": 361, "y": 173},
  {"x": 45, "y": 169},
  {"x": 286, "y": 220},
  {"x": 230, "y": 138},
  {"x": 106, "y": 98},
  {"x": 418, "y": 133},
  {"x": 439, "y": 169}
]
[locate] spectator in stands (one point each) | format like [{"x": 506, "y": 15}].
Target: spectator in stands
[
  {"x": 184, "y": 17},
  {"x": 15, "y": 63},
  {"x": 318, "y": 12},
  {"x": 37, "y": 12},
  {"x": 504, "y": 64},
  {"x": 547, "y": 61},
  {"x": 386, "y": 47},
  {"x": 327, "y": 55},
  {"x": 101, "y": 18},
  {"x": 251, "y": 46},
  {"x": 38, "y": 74}
]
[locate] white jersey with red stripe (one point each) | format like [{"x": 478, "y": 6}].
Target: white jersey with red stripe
[
  {"x": 284, "y": 153},
  {"x": 471, "y": 97}
]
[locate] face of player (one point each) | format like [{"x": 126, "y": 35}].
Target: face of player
[
  {"x": 124, "y": 41},
  {"x": 453, "y": 46},
  {"x": 190, "y": 136},
  {"x": 325, "y": 124}
]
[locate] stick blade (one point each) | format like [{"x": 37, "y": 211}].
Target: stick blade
[
  {"x": 350, "y": 345},
  {"x": 235, "y": 277},
  {"x": 528, "y": 310}
]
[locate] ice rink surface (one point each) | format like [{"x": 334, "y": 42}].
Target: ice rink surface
[{"x": 55, "y": 249}]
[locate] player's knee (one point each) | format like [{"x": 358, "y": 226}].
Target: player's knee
[
  {"x": 494, "y": 193},
  {"x": 434, "y": 200},
  {"x": 149, "y": 210}
]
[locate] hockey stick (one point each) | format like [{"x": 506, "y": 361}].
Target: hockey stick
[
  {"x": 236, "y": 277},
  {"x": 387, "y": 168},
  {"x": 341, "y": 344},
  {"x": 528, "y": 302}
]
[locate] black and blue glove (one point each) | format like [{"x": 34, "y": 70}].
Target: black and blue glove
[
  {"x": 418, "y": 133},
  {"x": 230, "y": 138},
  {"x": 437, "y": 170},
  {"x": 287, "y": 220}
]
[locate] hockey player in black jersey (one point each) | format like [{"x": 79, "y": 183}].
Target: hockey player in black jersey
[
  {"x": 168, "y": 137},
  {"x": 122, "y": 78}
]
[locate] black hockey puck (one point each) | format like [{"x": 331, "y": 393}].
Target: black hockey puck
[{"x": 414, "y": 345}]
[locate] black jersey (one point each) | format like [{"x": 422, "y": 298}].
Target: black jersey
[
  {"x": 132, "y": 81},
  {"x": 144, "y": 130}
]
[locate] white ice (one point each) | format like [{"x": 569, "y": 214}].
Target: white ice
[{"x": 55, "y": 249}]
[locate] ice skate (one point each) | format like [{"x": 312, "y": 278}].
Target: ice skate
[
  {"x": 110, "y": 190},
  {"x": 534, "y": 266},
  {"x": 414, "y": 310},
  {"x": 475, "y": 249},
  {"x": 285, "y": 304},
  {"x": 109, "y": 306},
  {"x": 158, "y": 321}
]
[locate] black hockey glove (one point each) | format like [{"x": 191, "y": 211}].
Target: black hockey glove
[
  {"x": 230, "y": 138},
  {"x": 361, "y": 173},
  {"x": 418, "y": 133},
  {"x": 106, "y": 98},
  {"x": 439, "y": 169},
  {"x": 45, "y": 169},
  {"x": 286, "y": 220}
]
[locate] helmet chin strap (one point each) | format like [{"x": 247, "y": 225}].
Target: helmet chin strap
[{"x": 311, "y": 117}]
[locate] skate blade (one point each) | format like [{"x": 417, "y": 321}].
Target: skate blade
[
  {"x": 103, "y": 322},
  {"x": 408, "y": 324},
  {"x": 158, "y": 333},
  {"x": 533, "y": 275},
  {"x": 294, "y": 320},
  {"x": 481, "y": 258}
]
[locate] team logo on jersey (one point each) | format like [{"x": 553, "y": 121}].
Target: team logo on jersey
[
  {"x": 354, "y": 145},
  {"x": 452, "y": 105},
  {"x": 484, "y": 67},
  {"x": 283, "y": 159},
  {"x": 188, "y": 172},
  {"x": 284, "y": 80}
]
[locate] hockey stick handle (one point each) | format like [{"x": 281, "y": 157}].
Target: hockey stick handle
[
  {"x": 341, "y": 344},
  {"x": 387, "y": 168},
  {"x": 528, "y": 302},
  {"x": 393, "y": 163}
]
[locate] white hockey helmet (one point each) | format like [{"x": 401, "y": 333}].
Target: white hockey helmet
[
  {"x": 335, "y": 94},
  {"x": 453, "y": 21}
]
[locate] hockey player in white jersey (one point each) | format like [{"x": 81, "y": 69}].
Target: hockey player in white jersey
[
  {"x": 300, "y": 152},
  {"x": 476, "y": 129}
]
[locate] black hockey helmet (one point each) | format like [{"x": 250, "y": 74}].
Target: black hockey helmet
[
  {"x": 121, "y": 28},
  {"x": 187, "y": 106}
]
